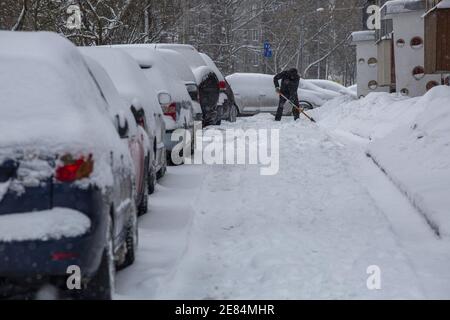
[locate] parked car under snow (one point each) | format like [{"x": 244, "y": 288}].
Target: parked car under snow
[
  {"x": 206, "y": 79},
  {"x": 66, "y": 177},
  {"x": 255, "y": 93},
  {"x": 133, "y": 87},
  {"x": 137, "y": 140},
  {"x": 226, "y": 107},
  {"x": 173, "y": 96}
]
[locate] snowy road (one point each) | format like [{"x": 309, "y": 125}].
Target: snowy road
[{"x": 311, "y": 231}]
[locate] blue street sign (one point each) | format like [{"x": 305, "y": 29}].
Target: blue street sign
[{"x": 267, "y": 50}]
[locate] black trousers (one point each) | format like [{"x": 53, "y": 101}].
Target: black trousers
[{"x": 294, "y": 98}]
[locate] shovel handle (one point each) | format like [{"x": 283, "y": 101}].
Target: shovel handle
[{"x": 301, "y": 110}]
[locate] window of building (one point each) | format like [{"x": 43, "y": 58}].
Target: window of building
[
  {"x": 372, "y": 62},
  {"x": 361, "y": 61},
  {"x": 404, "y": 92},
  {"x": 416, "y": 43},
  {"x": 256, "y": 59},
  {"x": 373, "y": 85},
  {"x": 255, "y": 35},
  {"x": 418, "y": 72},
  {"x": 432, "y": 84},
  {"x": 400, "y": 43}
]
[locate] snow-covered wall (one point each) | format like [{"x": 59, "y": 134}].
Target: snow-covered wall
[{"x": 407, "y": 26}]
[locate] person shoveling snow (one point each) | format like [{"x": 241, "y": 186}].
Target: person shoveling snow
[{"x": 290, "y": 80}]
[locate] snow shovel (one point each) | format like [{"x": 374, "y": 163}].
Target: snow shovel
[{"x": 301, "y": 110}]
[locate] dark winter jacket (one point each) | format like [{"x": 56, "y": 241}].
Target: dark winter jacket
[{"x": 290, "y": 80}]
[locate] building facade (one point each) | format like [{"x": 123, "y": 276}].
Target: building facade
[
  {"x": 408, "y": 46},
  {"x": 366, "y": 62}
]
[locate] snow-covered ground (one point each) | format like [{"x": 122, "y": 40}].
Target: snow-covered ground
[{"x": 311, "y": 231}]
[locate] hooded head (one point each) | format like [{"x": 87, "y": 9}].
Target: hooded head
[{"x": 293, "y": 73}]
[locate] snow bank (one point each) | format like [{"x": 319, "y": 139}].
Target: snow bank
[
  {"x": 410, "y": 142},
  {"x": 372, "y": 117},
  {"x": 353, "y": 88},
  {"x": 417, "y": 158},
  {"x": 46, "y": 225}
]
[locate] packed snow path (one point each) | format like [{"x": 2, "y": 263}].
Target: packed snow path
[{"x": 311, "y": 231}]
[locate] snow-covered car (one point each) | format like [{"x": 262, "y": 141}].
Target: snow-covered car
[
  {"x": 138, "y": 140},
  {"x": 185, "y": 73},
  {"x": 226, "y": 108},
  {"x": 133, "y": 87},
  {"x": 206, "y": 79},
  {"x": 256, "y": 93},
  {"x": 173, "y": 96},
  {"x": 332, "y": 86},
  {"x": 66, "y": 174}
]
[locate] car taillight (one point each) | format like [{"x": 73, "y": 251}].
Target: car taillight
[
  {"x": 222, "y": 85},
  {"x": 62, "y": 256},
  {"x": 141, "y": 122},
  {"x": 74, "y": 169},
  {"x": 171, "y": 111}
]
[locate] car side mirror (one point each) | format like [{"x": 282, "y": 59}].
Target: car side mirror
[
  {"x": 123, "y": 127},
  {"x": 164, "y": 98}
]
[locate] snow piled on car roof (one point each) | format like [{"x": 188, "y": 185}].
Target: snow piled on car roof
[
  {"x": 161, "y": 74},
  {"x": 128, "y": 78},
  {"x": 213, "y": 66}
]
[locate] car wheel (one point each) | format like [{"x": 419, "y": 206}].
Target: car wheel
[
  {"x": 162, "y": 172},
  {"x": 132, "y": 240},
  {"x": 306, "y": 105},
  {"x": 193, "y": 145},
  {"x": 151, "y": 181},
  {"x": 143, "y": 205},
  {"x": 101, "y": 286},
  {"x": 233, "y": 113}
]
